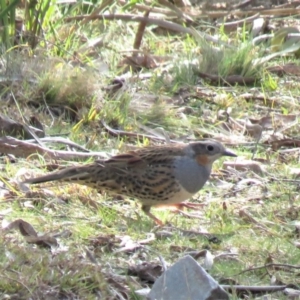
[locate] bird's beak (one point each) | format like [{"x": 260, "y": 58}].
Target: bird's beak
[{"x": 229, "y": 153}]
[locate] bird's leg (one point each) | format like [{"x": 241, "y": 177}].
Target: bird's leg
[
  {"x": 146, "y": 210},
  {"x": 179, "y": 206},
  {"x": 190, "y": 205}
]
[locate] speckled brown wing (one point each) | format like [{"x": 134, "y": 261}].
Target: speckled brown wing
[
  {"x": 146, "y": 174},
  {"x": 146, "y": 156}
]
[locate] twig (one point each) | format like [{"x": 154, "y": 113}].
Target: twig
[
  {"x": 139, "y": 35},
  {"x": 173, "y": 11},
  {"x": 10, "y": 145},
  {"x": 235, "y": 24},
  {"x": 116, "y": 132},
  {"x": 62, "y": 141},
  {"x": 253, "y": 288},
  {"x": 241, "y": 4},
  {"x": 151, "y": 21},
  {"x": 269, "y": 265},
  {"x": 246, "y": 12}
]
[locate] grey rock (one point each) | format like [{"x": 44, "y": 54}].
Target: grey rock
[{"x": 186, "y": 280}]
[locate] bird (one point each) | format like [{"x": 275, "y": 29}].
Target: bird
[{"x": 154, "y": 175}]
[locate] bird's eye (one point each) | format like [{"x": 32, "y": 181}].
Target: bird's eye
[{"x": 210, "y": 148}]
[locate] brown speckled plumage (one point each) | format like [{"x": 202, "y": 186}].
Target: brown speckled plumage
[{"x": 153, "y": 175}]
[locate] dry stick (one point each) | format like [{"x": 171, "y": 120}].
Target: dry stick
[
  {"x": 286, "y": 180},
  {"x": 173, "y": 12},
  {"x": 229, "y": 80},
  {"x": 116, "y": 132},
  {"x": 10, "y": 145},
  {"x": 174, "y": 8},
  {"x": 153, "y": 21},
  {"x": 268, "y": 265},
  {"x": 269, "y": 101},
  {"x": 139, "y": 35},
  {"x": 294, "y": 3},
  {"x": 37, "y": 139},
  {"x": 242, "y": 4},
  {"x": 244, "y": 12},
  {"x": 246, "y": 288},
  {"x": 60, "y": 140},
  {"x": 104, "y": 4},
  {"x": 237, "y": 23}
]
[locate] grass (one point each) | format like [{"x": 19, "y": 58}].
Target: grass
[{"x": 253, "y": 216}]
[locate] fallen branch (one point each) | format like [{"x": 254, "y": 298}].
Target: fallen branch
[
  {"x": 150, "y": 21},
  {"x": 254, "y": 289},
  {"x": 60, "y": 140},
  {"x": 235, "y": 24},
  {"x": 229, "y": 80},
  {"x": 10, "y": 145},
  {"x": 245, "y": 12},
  {"x": 172, "y": 10},
  {"x": 116, "y": 132},
  {"x": 282, "y": 267}
]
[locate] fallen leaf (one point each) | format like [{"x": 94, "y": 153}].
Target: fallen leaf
[
  {"x": 44, "y": 241},
  {"x": 244, "y": 165},
  {"x": 146, "y": 271},
  {"x": 25, "y": 228}
]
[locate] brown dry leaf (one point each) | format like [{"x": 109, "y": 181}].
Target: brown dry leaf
[
  {"x": 25, "y": 228},
  {"x": 108, "y": 242},
  {"x": 30, "y": 234},
  {"x": 247, "y": 217},
  {"x": 290, "y": 69},
  {"x": 255, "y": 130},
  {"x": 284, "y": 143},
  {"x": 44, "y": 194},
  {"x": 119, "y": 284},
  {"x": 244, "y": 165},
  {"x": 44, "y": 197},
  {"x": 88, "y": 201},
  {"x": 44, "y": 241},
  {"x": 276, "y": 121},
  {"x": 143, "y": 61},
  {"x": 9, "y": 127},
  {"x": 180, "y": 249},
  {"x": 146, "y": 271},
  {"x": 163, "y": 234}
]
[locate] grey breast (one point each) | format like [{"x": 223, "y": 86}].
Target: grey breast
[{"x": 190, "y": 174}]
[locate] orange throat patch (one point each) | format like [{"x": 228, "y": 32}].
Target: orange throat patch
[{"x": 202, "y": 159}]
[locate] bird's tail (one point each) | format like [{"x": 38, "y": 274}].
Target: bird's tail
[{"x": 75, "y": 174}]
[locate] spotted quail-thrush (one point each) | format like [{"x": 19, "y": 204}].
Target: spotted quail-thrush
[{"x": 154, "y": 175}]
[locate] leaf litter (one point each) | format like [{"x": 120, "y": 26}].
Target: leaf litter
[{"x": 254, "y": 212}]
